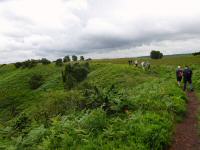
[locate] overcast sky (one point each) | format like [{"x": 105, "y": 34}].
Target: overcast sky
[{"x": 97, "y": 28}]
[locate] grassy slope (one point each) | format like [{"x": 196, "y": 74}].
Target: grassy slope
[
  {"x": 153, "y": 97},
  {"x": 15, "y": 91},
  {"x": 197, "y": 87}
]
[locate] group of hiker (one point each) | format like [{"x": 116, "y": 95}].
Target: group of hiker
[
  {"x": 181, "y": 74},
  {"x": 143, "y": 64},
  {"x": 186, "y": 75}
]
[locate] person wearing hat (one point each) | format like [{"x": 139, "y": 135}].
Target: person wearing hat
[
  {"x": 179, "y": 75},
  {"x": 187, "y": 77}
]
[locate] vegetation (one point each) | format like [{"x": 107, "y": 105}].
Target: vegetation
[
  {"x": 82, "y": 58},
  {"x": 74, "y": 58},
  {"x": 26, "y": 64},
  {"x": 36, "y": 81},
  {"x": 113, "y": 106},
  {"x": 73, "y": 74},
  {"x": 45, "y": 61},
  {"x": 156, "y": 54},
  {"x": 66, "y": 59},
  {"x": 197, "y": 53},
  {"x": 59, "y": 62}
]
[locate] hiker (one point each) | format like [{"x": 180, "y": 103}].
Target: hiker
[
  {"x": 143, "y": 65},
  {"x": 130, "y": 62},
  {"x": 179, "y": 75},
  {"x": 136, "y": 63},
  {"x": 187, "y": 77},
  {"x": 148, "y": 65}
]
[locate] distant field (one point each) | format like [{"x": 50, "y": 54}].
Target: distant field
[{"x": 169, "y": 60}]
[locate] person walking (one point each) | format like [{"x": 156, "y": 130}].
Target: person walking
[
  {"x": 179, "y": 75},
  {"x": 187, "y": 78},
  {"x": 136, "y": 63}
]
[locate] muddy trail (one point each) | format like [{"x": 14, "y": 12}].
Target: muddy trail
[{"x": 186, "y": 134}]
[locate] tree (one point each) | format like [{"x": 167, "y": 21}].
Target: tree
[
  {"x": 45, "y": 61},
  {"x": 29, "y": 63},
  {"x": 156, "y": 54},
  {"x": 66, "y": 59},
  {"x": 74, "y": 58},
  {"x": 73, "y": 74},
  {"x": 81, "y": 58},
  {"x": 89, "y": 59},
  {"x": 59, "y": 62},
  {"x": 18, "y": 64},
  {"x": 196, "y": 53}
]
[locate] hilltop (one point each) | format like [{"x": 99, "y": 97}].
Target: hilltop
[{"x": 116, "y": 107}]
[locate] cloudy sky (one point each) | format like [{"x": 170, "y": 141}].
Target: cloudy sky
[{"x": 97, "y": 28}]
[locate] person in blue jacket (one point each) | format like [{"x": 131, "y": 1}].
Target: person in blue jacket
[{"x": 187, "y": 78}]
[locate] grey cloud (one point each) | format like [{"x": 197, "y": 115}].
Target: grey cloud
[{"x": 95, "y": 30}]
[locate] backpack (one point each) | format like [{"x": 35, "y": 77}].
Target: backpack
[
  {"x": 180, "y": 73},
  {"x": 188, "y": 73}
]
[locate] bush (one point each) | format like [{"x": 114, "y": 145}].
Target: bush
[
  {"x": 156, "y": 55},
  {"x": 2, "y": 65},
  {"x": 45, "y": 61},
  {"x": 34, "y": 136},
  {"x": 80, "y": 72},
  {"x": 59, "y": 62},
  {"x": 36, "y": 81},
  {"x": 74, "y": 74},
  {"x": 94, "y": 121},
  {"x": 21, "y": 122}
]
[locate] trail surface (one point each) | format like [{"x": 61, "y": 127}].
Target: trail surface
[{"x": 186, "y": 134}]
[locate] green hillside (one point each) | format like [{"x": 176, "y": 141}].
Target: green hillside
[{"x": 116, "y": 107}]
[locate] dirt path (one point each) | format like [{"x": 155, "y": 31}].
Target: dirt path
[{"x": 186, "y": 136}]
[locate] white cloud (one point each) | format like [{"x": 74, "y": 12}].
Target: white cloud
[{"x": 100, "y": 28}]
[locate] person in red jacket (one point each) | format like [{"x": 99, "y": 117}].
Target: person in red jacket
[{"x": 179, "y": 75}]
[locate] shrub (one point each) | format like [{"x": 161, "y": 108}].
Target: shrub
[
  {"x": 45, "y": 61},
  {"x": 94, "y": 121},
  {"x": 72, "y": 74},
  {"x": 80, "y": 72},
  {"x": 66, "y": 59},
  {"x": 36, "y": 81},
  {"x": 156, "y": 54},
  {"x": 21, "y": 122},
  {"x": 59, "y": 62}
]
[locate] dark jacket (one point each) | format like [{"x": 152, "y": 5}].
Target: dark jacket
[{"x": 187, "y": 74}]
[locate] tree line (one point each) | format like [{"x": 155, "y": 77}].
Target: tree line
[
  {"x": 58, "y": 62},
  {"x": 196, "y": 53}
]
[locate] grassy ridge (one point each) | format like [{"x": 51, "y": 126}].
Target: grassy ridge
[{"x": 124, "y": 108}]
